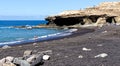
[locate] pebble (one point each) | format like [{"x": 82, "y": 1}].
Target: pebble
[
  {"x": 34, "y": 43},
  {"x": 99, "y": 45},
  {"x": 89, "y": 37},
  {"x": 20, "y": 46},
  {"x": 86, "y": 49},
  {"x": 102, "y": 55},
  {"x": 46, "y": 57},
  {"x": 58, "y": 54},
  {"x": 36, "y": 46},
  {"x": 80, "y": 56},
  {"x": 104, "y": 32},
  {"x": 66, "y": 56}
]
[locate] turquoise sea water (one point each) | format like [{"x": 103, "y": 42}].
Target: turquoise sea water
[{"x": 10, "y": 35}]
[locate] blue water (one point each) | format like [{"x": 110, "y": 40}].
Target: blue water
[
  {"x": 9, "y": 35},
  {"x": 21, "y": 22}
]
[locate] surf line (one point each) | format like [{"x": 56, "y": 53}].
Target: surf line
[{"x": 41, "y": 38}]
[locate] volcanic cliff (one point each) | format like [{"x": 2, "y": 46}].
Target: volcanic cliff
[{"x": 106, "y": 12}]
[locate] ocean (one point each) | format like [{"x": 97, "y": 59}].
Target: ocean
[{"x": 13, "y": 36}]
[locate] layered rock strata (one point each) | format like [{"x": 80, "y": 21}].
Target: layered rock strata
[{"x": 107, "y": 12}]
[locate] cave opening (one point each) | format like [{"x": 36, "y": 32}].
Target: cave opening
[
  {"x": 110, "y": 20},
  {"x": 68, "y": 21},
  {"x": 94, "y": 18}
]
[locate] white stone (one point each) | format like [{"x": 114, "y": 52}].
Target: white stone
[
  {"x": 46, "y": 57},
  {"x": 104, "y": 32},
  {"x": 9, "y": 59},
  {"x": 86, "y": 49},
  {"x": 2, "y": 60},
  {"x": 5, "y": 47},
  {"x": 102, "y": 55},
  {"x": 34, "y": 43},
  {"x": 80, "y": 56}
]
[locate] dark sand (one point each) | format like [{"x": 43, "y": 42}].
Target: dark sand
[{"x": 65, "y": 51}]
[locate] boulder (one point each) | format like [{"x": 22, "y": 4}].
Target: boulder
[
  {"x": 8, "y": 64},
  {"x": 9, "y": 59},
  {"x": 21, "y": 62}
]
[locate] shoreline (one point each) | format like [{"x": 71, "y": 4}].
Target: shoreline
[
  {"x": 68, "y": 51},
  {"x": 49, "y": 37}
]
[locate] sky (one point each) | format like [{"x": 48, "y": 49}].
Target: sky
[{"x": 38, "y": 9}]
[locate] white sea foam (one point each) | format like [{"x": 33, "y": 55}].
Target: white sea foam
[
  {"x": 13, "y": 42},
  {"x": 43, "y": 36},
  {"x": 52, "y": 34},
  {"x": 6, "y": 27},
  {"x": 72, "y": 30}
]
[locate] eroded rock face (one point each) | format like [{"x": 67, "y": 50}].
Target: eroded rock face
[
  {"x": 101, "y": 21},
  {"x": 87, "y": 21},
  {"x": 117, "y": 19},
  {"x": 105, "y": 12}
]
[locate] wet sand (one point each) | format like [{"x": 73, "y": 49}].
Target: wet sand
[{"x": 68, "y": 51}]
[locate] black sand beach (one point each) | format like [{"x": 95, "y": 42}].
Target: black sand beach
[{"x": 68, "y": 51}]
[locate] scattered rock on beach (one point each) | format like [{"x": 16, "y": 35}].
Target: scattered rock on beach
[
  {"x": 27, "y": 53},
  {"x": 104, "y": 31},
  {"x": 5, "y": 47},
  {"x": 89, "y": 37},
  {"x": 80, "y": 56},
  {"x": 66, "y": 56},
  {"x": 34, "y": 43},
  {"x": 102, "y": 55},
  {"x": 2, "y": 60},
  {"x": 46, "y": 57},
  {"x": 9, "y": 59},
  {"x": 28, "y": 59},
  {"x": 8, "y": 64},
  {"x": 86, "y": 49}
]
